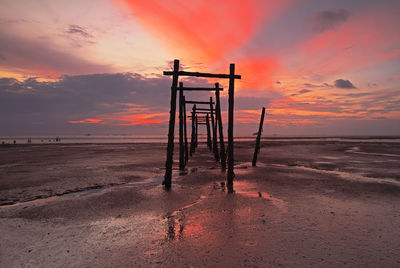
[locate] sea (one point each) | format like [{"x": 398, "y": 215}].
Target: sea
[{"x": 84, "y": 139}]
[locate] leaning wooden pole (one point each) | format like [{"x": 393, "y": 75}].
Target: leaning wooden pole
[
  {"x": 220, "y": 127},
  {"x": 208, "y": 133},
  {"x": 170, "y": 147},
  {"x": 231, "y": 173},
  {"x": 257, "y": 147},
  {"x": 181, "y": 145},
  {"x": 214, "y": 132},
  {"x": 185, "y": 131}
]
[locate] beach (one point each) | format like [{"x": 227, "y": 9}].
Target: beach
[{"x": 307, "y": 203}]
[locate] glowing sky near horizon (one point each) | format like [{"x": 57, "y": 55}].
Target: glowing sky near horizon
[{"x": 320, "y": 67}]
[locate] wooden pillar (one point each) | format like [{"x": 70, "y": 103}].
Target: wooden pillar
[
  {"x": 170, "y": 147},
  {"x": 185, "y": 131},
  {"x": 231, "y": 101},
  {"x": 192, "y": 140},
  {"x": 208, "y": 133},
  {"x": 214, "y": 137},
  {"x": 257, "y": 147},
  {"x": 181, "y": 145},
  {"x": 220, "y": 127},
  {"x": 197, "y": 132}
]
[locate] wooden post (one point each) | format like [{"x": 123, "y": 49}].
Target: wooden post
[
  {"x": 181, "y": 146},
  {"x": 193, "y": 131},
  {"x": 257, "y": 147},
  {"x": 170, "y": 147},
  {"x": 214, "y": 138},
  {"x": 220, "y": 127},
  {"x": 197, "y": 132},
  {"x": 208, "y": 133},
  {"x": 231, "y": 173},
  {"x": 185, "y": 131}
]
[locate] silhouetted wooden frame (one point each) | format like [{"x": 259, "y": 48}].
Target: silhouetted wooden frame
[{"x": 231, "y": 91}]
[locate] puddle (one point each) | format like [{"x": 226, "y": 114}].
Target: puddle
[
  {"x": 176, "y": 222},
  {"x": 249, "y": 189},
  {"x": 344, "y": 175}
]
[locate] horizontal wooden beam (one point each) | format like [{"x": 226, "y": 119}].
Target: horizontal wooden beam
[
  {"x": 201, "y": 112},
  {"x": 198, "y": 74},
  {"x": 199, "y": 123},
  {"x": 198, "y": 88},
  {"x": 203, "y": 109},
  {"x": 199, "y": 102}
]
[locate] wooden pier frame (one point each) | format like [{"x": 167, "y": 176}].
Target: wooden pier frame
[
  {"x": 257, "y": 146},
  {"x": 170, "y": 147}
]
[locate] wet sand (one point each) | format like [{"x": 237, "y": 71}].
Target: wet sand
[{"x": 306, "y": 204}]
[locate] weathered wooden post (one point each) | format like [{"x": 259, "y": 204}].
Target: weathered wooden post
[
  {"x": 197, "y": 132},
  {"x": 181, "y": 146},
  {"x": 192, "y": 139},
  {"x": 170, "y": 147},
  {"x": 257, "y": 147},
  {"x": 231, "y": 101},
  {"x": 208, "y": 133},
  {"x": 185, "y": 131},
  {"x": 220, "y": 127},
  {"x": 214, "y": 137}
]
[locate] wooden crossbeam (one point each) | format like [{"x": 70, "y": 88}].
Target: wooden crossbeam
[
  {"x": 198, "y": 102},
  {"x": 198, "y": 74},
  {"x": 203, "y": 109},
  {"x": 197, "y": 88}
]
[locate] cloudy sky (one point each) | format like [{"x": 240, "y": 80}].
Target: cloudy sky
[{"x": 320, "y": 67}]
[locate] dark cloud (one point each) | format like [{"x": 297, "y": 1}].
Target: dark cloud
[
  {"x": 41, "y": 57},
  {"x": 76, "y": 29},
  {"x": 326, "y": 20},
  {"x": 341, "y": 83},
  {"x": 303, "y": 91},
  {"x": 309, "y": 85}
]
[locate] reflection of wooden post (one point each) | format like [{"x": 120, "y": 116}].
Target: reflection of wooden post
[
  {"x": 185, "y": 131},
  {"x": 231, "y": 174},
  {"x": 257, "y": 148},
  {"x": 181, "y": 148},
  {"x": 193, "y": 130},
  {"x": 208, "y": 132},
  {"x": 219, "y": 123},
  {"x": 214, "y": 137},
  {"x": 170, "y": 147}
]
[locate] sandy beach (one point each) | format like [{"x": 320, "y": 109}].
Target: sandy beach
[{"x": 306, "y": 204}]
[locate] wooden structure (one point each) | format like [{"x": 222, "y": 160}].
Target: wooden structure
[{"x": 183, "y": 155}]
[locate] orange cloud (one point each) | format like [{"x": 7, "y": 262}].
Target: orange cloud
[
  {"x": 362, "y": 41},
  {"x": 86, "y": 121},
  {"x": 143, "y": 119},
  {"x": 202, "y": 30}
]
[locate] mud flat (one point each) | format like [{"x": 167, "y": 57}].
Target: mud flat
[{"x": 306, "y": 204}]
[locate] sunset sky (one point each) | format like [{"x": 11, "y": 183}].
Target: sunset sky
[{"x": 320, "y": 67}]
